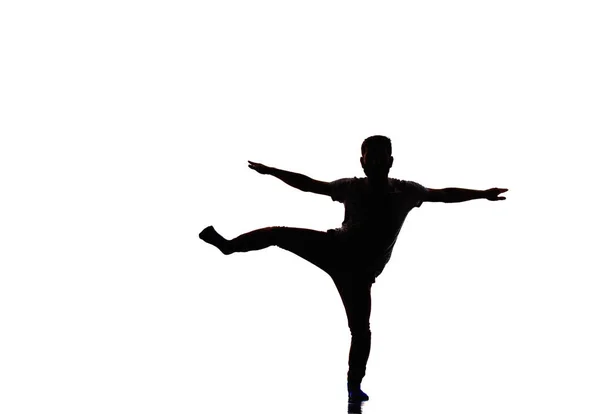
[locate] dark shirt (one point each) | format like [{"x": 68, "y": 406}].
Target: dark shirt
[{"x": 373, "y": 219}]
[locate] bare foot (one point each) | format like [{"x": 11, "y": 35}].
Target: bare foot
[{"x": 210, "y": 236}]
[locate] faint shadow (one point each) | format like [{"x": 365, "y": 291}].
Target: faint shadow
[{"x": 355, "y": 408}]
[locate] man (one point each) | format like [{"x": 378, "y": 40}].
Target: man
[{"x": 357, "y": 252}]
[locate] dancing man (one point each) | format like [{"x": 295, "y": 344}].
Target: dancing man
[{"x": 357, "y": 252}]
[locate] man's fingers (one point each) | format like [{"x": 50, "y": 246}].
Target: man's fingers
[{"x": 263, "y": 169}]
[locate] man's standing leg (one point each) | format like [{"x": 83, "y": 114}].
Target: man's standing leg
[{"x": 356, "y": 296}]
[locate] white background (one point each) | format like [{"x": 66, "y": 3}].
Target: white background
[{"x": 126, "y": 127}]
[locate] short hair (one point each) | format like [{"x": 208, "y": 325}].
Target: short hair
[{"x": 376, "y": 140}]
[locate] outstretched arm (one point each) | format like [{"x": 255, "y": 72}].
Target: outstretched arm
[
  {"x": 299, "y": 181},
  {"x": 457, "y": 195}
]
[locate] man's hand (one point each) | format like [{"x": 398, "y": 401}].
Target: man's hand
[
  {"x": 492, "y": 193},
  {"x": 263, "y": 169}
]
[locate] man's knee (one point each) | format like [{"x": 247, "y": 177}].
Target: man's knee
[
  {"x": 274, "y": 234},
  {"x": 289, "y": 238},
  {"x": 360, "y": 331}
]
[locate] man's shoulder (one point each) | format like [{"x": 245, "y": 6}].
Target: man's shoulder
[
  {"x": 342, "y": 188},
  {"x": 397, "y": 184},
  {"x": 353, "y": 179},
  {"x": 400, "y": 184},
  {"x": 347, "y": 181}
]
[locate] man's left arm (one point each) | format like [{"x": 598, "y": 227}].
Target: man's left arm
[{"x": 458, "y": 195}]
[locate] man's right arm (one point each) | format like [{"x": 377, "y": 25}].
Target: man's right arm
[{"x": 301, "y": 182}]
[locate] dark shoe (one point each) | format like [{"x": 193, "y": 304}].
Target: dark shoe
[{"x": 355, "y": 394}]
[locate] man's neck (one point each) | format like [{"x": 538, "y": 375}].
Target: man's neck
[{"x": 378, "y": 184}]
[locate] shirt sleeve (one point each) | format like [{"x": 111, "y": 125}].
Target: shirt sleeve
[
  {"x": 417, "y": 192},
  {"x": 340, "y": 189}
]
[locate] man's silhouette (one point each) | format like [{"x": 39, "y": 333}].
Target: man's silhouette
[{"x": 357, "y": 252}]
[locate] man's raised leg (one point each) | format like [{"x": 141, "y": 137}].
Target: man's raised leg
[
  {"x": 253, "y": 240},
  {"x": 314, "y": 246}
]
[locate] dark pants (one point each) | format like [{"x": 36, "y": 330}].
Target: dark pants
[{"x": 342, "y": 263}]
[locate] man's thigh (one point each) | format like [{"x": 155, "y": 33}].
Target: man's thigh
[
  {"x": 317, "y": 247},
  {"x": 355, "y": 292}
]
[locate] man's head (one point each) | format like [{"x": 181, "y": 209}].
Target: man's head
[{"x": 376, "y": 157}]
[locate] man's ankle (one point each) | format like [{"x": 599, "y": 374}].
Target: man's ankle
[{"x": 353, "y": 385}]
